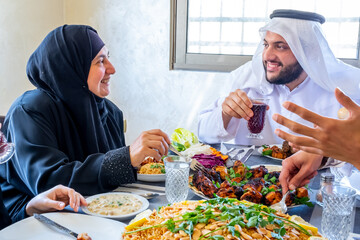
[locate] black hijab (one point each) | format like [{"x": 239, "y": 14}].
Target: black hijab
[{"x": 60, "y": 67}]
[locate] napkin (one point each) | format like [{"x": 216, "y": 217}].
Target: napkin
[
  {"x": 231, "y": 151},
  {"x": 242, "y": 153}
]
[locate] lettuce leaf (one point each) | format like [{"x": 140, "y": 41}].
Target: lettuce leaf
[{"x": 182, "y": 139}]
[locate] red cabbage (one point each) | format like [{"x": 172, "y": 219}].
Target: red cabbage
[{"x": 209, "y": 161}]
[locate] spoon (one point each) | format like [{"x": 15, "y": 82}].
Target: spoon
[
  {"x": 149, "y": 195},
  {"x": 281, "y": 206}
]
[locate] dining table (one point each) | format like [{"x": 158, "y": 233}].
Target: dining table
[{"x": 312, "y": 215}]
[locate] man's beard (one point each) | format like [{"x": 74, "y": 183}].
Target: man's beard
[{"x": 287, "y": 74}]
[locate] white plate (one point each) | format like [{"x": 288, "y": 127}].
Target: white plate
[
  {"x": 145, "y": 205},
  {"x": 151, "y": 177},
  {"x": 260, "y": 150},
  {"x": 32, "y": 229}
]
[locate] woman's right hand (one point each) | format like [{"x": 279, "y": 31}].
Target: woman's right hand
[
  {"x": 153, "y": 143},
  {"x": 55, "y": 199}
]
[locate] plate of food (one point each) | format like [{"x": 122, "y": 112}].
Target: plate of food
[
  {"x": 257, "y": 184},
  {"x": 200, "y": 219},
  {"x": 276, "y": 151},
  {"x": 151, "y": 170},
  {"x": 115, "y": 205}
]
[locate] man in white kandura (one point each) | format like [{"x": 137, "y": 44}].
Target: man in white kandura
[{"x": 293, "y": 62}]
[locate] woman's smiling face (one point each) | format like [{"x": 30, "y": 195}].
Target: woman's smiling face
[{"x": 99, "y": 75}]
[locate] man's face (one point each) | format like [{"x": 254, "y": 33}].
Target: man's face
[{"x": 280, "y": 64}]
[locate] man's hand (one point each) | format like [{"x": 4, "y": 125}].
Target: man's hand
[
  {"x": 298, "y": 170},
  {"x": 54, "y": 199},
  {"x": 153, "y": 143},
  {"x": 237, "y": 105}
]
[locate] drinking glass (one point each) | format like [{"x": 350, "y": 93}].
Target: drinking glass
[
  {"x": 257, "y": 121},
  {"x": 6, "y": 149},
  {"x": 177, "y": 178},
  {"x": 337, "y": 209}
]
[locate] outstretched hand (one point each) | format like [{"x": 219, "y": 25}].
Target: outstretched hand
[
  {"x": 153, "y": 143},
  {"x": 54, "y": 199},
  {"x": 339, "y": 139}
]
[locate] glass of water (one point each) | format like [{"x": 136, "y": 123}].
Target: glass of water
[
  {"x": 177, "y": 178},
  {"x": 338, "y": 206}
]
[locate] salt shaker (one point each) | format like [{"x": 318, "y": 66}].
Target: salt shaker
[{"x": 326, "y": 179}]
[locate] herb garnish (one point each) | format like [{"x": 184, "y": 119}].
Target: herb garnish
[
  {"x": 267, "y": 152},
  {"x": 234, "y": 212},
  {"x": 303, "y": 200}
]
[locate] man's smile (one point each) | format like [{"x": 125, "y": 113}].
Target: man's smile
[{"x": 272, "y": 66}]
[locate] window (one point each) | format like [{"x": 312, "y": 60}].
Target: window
[{"x": 221, "y": 35}]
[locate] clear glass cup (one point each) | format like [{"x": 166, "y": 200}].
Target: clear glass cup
[
  {"x": 6, "y": 149},
  {"x": 177, "y": 178},
  {"x": 257, "y": 121},
  {"x": 338, "y": 205}
]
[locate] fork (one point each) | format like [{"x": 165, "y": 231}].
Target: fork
[
  {"x": 148, "y": 195},
  {"x": 230, "y": 150},
  {"x": 199, "y": 167},
  {"x": 171, "y": 147},
  {"x": 281, "y": 206}
]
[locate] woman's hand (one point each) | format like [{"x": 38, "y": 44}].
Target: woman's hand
[
  {"x": 54, "y": 199},
  {"x": 153, "y": 143}
]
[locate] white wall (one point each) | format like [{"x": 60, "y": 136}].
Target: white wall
[
  {"x": 137, "y": 35},
  {"x": 23, "y": 24}
]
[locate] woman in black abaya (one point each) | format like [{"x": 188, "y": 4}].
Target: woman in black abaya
[{"x": 65, "y": 131}]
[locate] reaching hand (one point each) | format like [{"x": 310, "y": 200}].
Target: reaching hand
[
  {"x": 237, "y": 105},
  {"x": 153, "y": 143},
  {"x": 54, "y": 199},
  {"x": 298, "y": 169},
  {"x": 330, "y": 137}
]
